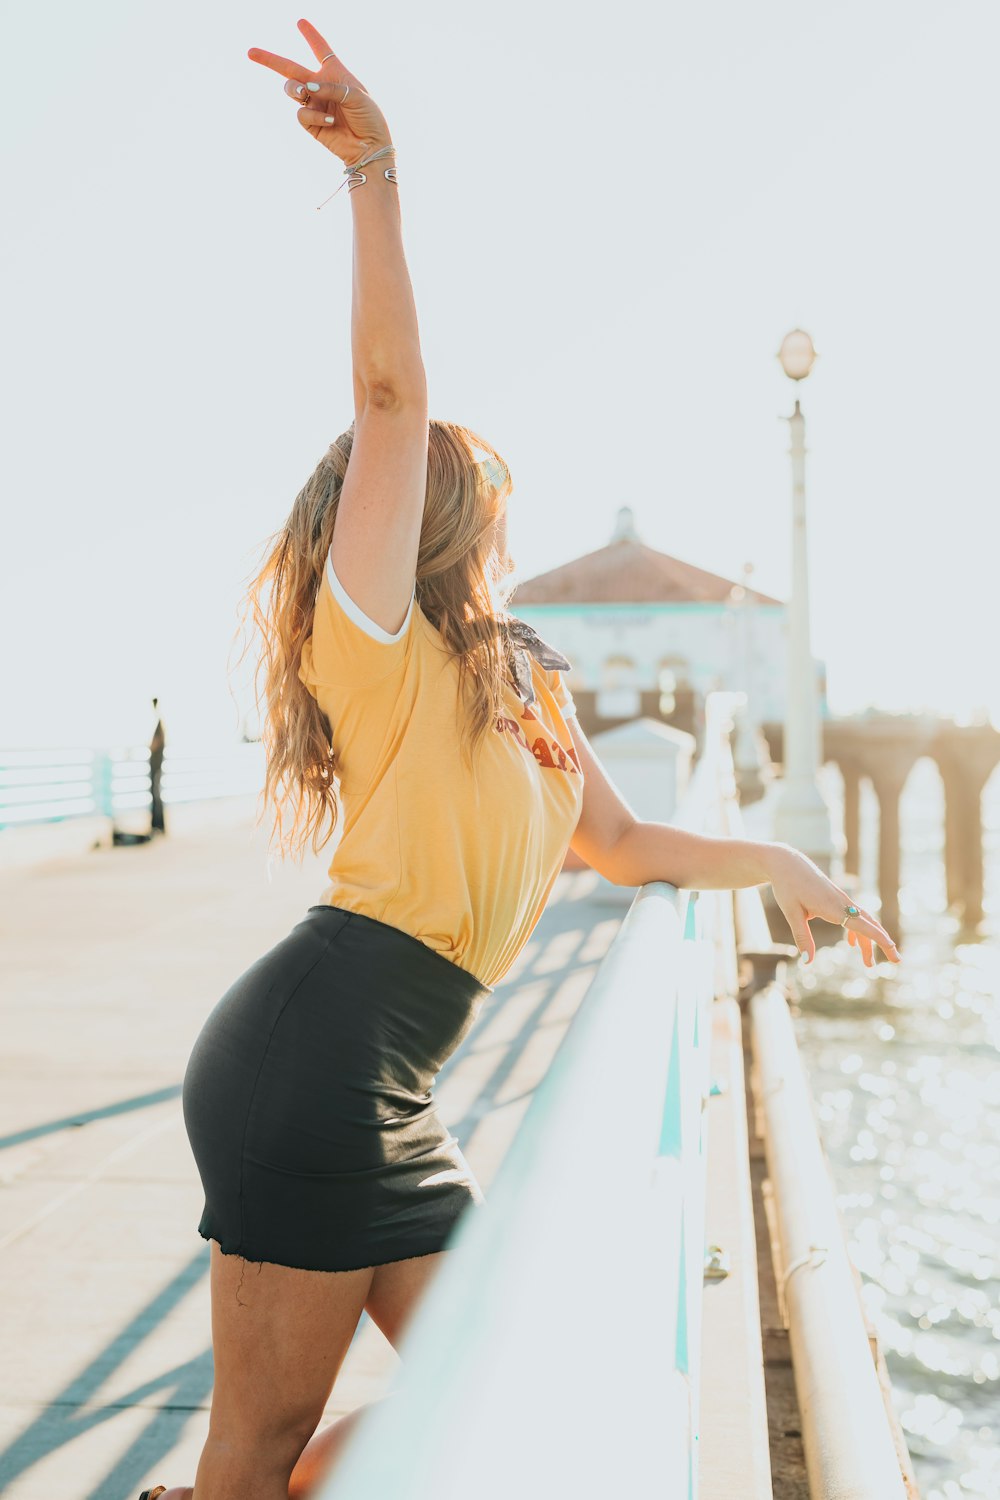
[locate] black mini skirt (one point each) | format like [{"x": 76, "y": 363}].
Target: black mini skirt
[{"x": 308, "y": 1099}]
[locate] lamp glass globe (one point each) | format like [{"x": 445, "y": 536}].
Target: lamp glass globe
[{"x": 797, "y": 354}]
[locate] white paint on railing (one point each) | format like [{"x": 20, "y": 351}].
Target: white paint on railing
[{"x": 846, "y": 1436}]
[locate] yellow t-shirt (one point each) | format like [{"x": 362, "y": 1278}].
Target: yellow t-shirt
[{"x": 462, "y": 860}]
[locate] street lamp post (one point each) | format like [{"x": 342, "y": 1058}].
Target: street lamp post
[{"x": 802, "y": 817}]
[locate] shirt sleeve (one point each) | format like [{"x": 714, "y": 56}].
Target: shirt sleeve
[{"x": 347, "y": 648}]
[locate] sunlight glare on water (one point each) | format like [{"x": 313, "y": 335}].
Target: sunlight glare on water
[{"x": 903, "y": 1064}]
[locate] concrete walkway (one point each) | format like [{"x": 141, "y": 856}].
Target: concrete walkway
[{"x": 111, "y": 961}]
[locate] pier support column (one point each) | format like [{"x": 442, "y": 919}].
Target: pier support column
[
  {"x": 966, "y": 755},
  {"x": 852, "y": 817},
  {"x": 972, "y": 839},
  {"x": 953, "y": 860},
  {"x": 888, "y": 783},
  {"x": 968, "y": 838}
]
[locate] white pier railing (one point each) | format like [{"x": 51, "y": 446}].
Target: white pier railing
[
  {"x": 53, "y": 785},
  {"x": 853, "y": 1446}
]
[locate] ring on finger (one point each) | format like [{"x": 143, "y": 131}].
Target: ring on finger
[
  {"x": 304, "y": 92},
  {"x": 852, "y": 911}
]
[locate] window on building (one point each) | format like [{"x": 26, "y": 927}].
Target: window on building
[
  {"x": 668, "y": 690},
  {"x": 671, "y": 675},
  {"x": 618, "y": 694}
]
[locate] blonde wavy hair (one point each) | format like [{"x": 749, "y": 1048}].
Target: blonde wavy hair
[{"x": 462, "y": 586}]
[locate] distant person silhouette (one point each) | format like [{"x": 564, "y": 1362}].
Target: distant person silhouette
[{"x": 156, "y": 747}]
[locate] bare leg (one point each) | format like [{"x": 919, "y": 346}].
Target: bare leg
[
  {"x": 394, "y": 1292},
  {"x": 279, "y": 1337},
  {"x": 316, "y": 1461},
  {"x": 320, "y": 1455}
]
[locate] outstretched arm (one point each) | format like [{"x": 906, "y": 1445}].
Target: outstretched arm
[
  {"x": 377, "y": 535},
  {"x": 631, "y": 851}
]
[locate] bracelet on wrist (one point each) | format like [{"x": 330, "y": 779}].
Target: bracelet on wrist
[{"x": 355, "y": 177}]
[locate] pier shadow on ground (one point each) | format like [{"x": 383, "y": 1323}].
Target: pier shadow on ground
[{"x": 105, "y": 1362}]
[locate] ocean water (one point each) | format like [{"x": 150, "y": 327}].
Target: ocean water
[{"x": 904, "y": 1068}]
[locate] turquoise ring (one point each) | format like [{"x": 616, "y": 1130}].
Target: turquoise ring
[{"x": 852, "y": 911}]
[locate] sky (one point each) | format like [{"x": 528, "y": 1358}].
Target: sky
[{"x": 612, "y": 215}]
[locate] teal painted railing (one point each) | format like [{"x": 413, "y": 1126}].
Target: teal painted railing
[
  {"x": 557, "y": 1350},
  {"x": 48, "y": 786}
]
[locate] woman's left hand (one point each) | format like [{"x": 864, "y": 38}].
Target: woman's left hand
[
  {"x": 803, "y": 892},
  {"x": 350, "y": 125}
]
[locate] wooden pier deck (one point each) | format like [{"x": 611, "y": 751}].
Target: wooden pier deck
[{"x": 111, "y": 960}]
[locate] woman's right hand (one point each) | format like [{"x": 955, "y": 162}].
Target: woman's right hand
[{"x": 359, "y": 126}]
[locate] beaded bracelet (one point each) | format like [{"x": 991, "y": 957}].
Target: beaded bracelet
[{"x": 355, "y": 177}]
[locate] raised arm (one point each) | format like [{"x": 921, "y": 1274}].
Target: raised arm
[{"x": 377, "y": 534}]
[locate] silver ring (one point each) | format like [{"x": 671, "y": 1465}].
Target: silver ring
[
  {"x": 329, "y": 54},
  {"x": 852, "y": 911},
  {"x": 347, "y": 86}
]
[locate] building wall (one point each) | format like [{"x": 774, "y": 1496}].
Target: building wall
[{"x": 617, "y": 650}]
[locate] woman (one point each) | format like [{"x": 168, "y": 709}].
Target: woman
[{"x": 391, "y": 662}]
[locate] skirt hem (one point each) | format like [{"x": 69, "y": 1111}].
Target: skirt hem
[{"x": 289, "y": 1265}]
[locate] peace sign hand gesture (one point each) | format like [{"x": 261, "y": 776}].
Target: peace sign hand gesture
[{"x": 340, "y": 112}]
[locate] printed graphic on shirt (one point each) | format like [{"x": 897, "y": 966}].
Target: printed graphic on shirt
[{"x": 548, "y": 753}]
